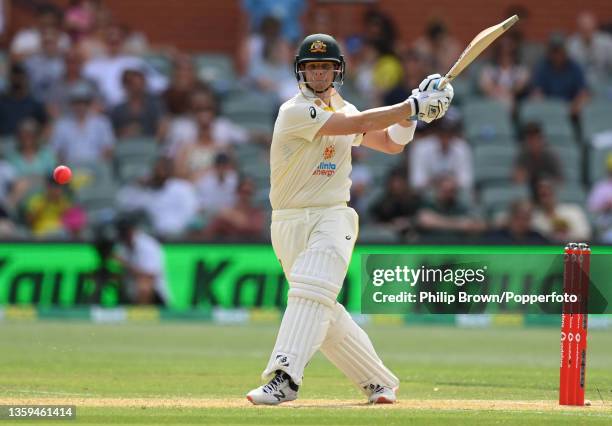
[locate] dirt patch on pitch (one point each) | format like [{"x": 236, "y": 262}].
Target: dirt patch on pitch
[{"x": 405, "y": 404}]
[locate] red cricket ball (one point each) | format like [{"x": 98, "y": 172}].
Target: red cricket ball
[{"x": 62, "y": 174}]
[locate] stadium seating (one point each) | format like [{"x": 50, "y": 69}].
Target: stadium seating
[
  {"x": 380, "y": 164},
  {"x": 217, "y": 69},
  {"x": 98, "y": 200},
  {"x": 544, "y": 111},
  {"x": 159, "y": 62},
  {"x": 596, "y": 118},
  {"x": 494, "y": 163},
  {"x": 497, "y": 197},
  {"x": 486, "y": 120},
  {"x": 374, "y": 233},
  {"x": 570, "y": 158},
  {"x": 597, "y": 163},
  {"x": 531, "y": 53},
  {"x": 134, "y": 157},
  {"x": 7, "y": 146},
  {"x": 251, "y": 110},
  {"x": 572, "y": 192},
  {"x": 553, "y": 116}
]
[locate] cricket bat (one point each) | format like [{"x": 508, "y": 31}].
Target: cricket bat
[{"x": 475, "y": 48}]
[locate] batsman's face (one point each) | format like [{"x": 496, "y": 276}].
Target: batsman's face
[{"x": 320, "y": 75}]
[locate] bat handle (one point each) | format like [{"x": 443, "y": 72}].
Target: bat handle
[{"x": 443, "y": 82}]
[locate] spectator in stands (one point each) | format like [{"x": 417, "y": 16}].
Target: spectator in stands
[
  {"x": 92, "y": 44},
  {"x": 46, "y": 68},
  {"x": 17, "y": 103},
  {"x": 439, "y": 47},
  {"x": 32, "y": 161},
  {"x": 80, "y": 18},
  {"x": 85, "y": 136},
  {"x": 505, "y": 80},
  {"x": 363, "y": 74},
  {"x": 7, "y": 201},
  {"x": 141, "y": 112},
  {"x": 179, "y": 127},
  {"x": 241, "y": 221},
  {"x": 58, "y": 99},
  {"x": 398, "y": 205},
  {"x": 592, "y": 49},
  {"x": 273, "y": 74},
  {"x": 204, "y": 121},
  {"x": 378, "y": 67},
  {"x": 252, "y": 54},
  {"x": 142, "y": 258},
  {"x": 45, "y": 210},
  {"x": 445, "y": 216},
  {"x": 516, "y": 33},
  {"x": 195, "y": 158},
  {"x": 380, "y": 30},
  {"x": 28, "y": 41},
  {"x": 536, "y": 160},
  {"x": 361, "y": 177},
  {"x": 560, "y": 222},
  {"x": 518, "y": 228},
  {"x": 170, "y": 203},
  {"x": 107, "y": 71},
  {"x": 413, "y": 68},
  {"x": 441, "y": 154},
  {"x": 377, "y": 72},
  {"x": 600, "y": 204},
  {"x": 217, "y": 188},
  {"x": 287, "y": 12},
  {"x": 558, "y": 76}
]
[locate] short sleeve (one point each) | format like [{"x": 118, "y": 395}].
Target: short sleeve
[
  {"x": 302, "y": 120},
  {"x": 358, "y": 139}
]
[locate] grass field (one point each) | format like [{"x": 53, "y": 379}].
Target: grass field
[{"x": 199, "y": 374}]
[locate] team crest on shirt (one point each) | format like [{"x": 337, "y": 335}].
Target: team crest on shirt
[
  {"x": 326, "y": 168},
  {"x": 318, "y": 47},
  {"x": 329, "y": 152}
]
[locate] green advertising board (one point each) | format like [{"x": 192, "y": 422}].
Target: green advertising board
[{"x": 201, "y": 275}]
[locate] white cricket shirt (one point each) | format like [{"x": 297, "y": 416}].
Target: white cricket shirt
[{"x": 308, "y": 171}]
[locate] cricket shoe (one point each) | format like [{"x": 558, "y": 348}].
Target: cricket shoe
[
  {"x": 280, "y": 389},
  {"x": 381, "y": 394}
]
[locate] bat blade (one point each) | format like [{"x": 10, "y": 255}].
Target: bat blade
[{"x": 479, "y": 43}]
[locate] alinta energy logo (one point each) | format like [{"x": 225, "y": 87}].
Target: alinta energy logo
[{"x": 326, "y": 168}]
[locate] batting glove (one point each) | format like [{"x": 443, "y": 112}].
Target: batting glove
[
  {"x": 432, "y": 81},
  {"x": 430, "y": 105}
]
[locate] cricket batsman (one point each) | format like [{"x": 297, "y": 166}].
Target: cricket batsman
[{"x": 314, "y": 231}]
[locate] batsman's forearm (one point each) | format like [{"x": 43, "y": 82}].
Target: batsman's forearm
[{"x": 383, "y": 117}]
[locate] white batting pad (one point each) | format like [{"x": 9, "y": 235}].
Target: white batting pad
[
  {"x": 349, "y": 348},
  {"x": 315, "y": 281},
  {"x": 318, "y": 274}
]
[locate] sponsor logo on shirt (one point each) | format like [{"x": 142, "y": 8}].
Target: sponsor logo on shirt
[{"x": 326, "y": 168}]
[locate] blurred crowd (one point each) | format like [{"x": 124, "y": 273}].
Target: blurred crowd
[{"x": 181, "y": 139}]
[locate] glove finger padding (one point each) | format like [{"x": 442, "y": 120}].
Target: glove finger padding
[
  {"x": 429, "y": 83},
  {"x": 449, "y": 91}
]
